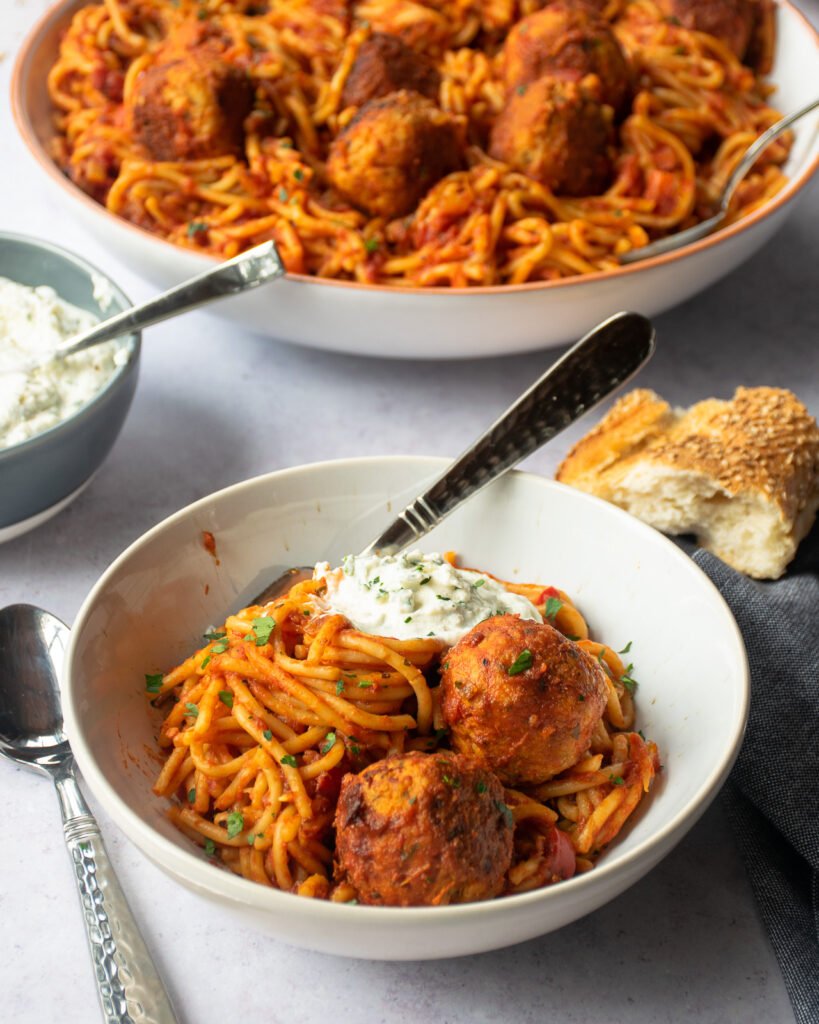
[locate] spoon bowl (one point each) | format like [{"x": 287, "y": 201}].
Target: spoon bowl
[{"x": 32, "y": 647}]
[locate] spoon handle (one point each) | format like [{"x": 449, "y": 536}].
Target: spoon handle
[
  {"x": 603, "y": 360},
  {"x": 128, "y": 984},
  {"x": 245, "y": 271}
]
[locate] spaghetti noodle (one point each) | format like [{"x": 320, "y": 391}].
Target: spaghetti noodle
[
  {"x": 287, "y": 699},
  {"x": 695, "y": 109}
]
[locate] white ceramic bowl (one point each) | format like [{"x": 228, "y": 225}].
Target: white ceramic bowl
[
  {"x": 441, "y": 323},
  {"x": 152, "y": 605}
]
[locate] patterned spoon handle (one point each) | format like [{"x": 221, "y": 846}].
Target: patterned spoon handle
[
  {"x": 128, "y": 984},
  {"x": 599, "y": 363}
]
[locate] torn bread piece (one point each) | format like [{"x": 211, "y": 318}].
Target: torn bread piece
[{"x": 743, "y": 475}]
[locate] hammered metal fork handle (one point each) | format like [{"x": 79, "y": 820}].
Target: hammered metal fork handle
[
  {"x": 602, "y": 361},
  {"x": 128, "y": 984}
]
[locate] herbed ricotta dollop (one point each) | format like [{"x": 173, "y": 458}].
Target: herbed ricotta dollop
[
  {"x": 33, "y": 322},
  {"x": 416, "y": 595}
]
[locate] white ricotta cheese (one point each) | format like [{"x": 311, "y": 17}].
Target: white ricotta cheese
[
  {"x": 416, "y": 595},
  {"x": 33, "y": 322}
]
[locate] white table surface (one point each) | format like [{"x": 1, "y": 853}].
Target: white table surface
[{"x": 683, "y": 945}]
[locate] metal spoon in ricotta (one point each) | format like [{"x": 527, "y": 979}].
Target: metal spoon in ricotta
[
  {"x": 604, "y": 360},
  {"x": 250, "y": 269}
]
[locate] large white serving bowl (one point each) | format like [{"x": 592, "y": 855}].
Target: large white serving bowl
[
  {"x": 151, "y": 606},
  {"x": 440, "y": 323}
]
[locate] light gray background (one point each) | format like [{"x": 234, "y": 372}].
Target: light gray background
[{"x": 216, "y": 405}]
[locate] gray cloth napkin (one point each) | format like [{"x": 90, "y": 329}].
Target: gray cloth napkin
[{"x": 772, "y": 796}]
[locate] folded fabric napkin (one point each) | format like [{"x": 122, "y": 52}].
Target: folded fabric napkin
[{"x": 772, "y": 796}]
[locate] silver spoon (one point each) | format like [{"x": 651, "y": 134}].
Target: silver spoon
[
  {"x": 242, "y": 273},
  {"x": 707, "y": 227},
  {"x": 32, "y": 648},
  {"x": 602, "y": 361}
]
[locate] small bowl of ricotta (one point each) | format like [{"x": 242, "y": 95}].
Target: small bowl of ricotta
[{"x": 59, "y": 419}]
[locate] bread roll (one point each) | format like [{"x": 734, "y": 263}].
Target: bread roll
[{"x": 742, "y": 475}]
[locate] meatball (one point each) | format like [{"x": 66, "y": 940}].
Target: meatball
[
  {"x": 730, "y": 21},
  {"x": 570, "y": 41},
  {"x": 392, "y": 152},
  {"x": 557, "y": 134},
  {"x": 423, "y": 830},
  {"x": 384, "y": 64},
  {"x": 191, "y": 107},
  {"x": 521, "y": 699}
]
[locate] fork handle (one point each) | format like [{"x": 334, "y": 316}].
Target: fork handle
[{"x": 129, "y": 987}]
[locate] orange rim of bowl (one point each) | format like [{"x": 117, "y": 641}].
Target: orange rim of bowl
[{"x": 34, "y": 146}]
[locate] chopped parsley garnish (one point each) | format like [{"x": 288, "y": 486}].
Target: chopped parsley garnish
[
  {"x": 451, "y": 780},
  {"x": 581, "y": 697},
  {"x": 520, "y": 90},
  {"x": 478, "y": 583},
  {"x": 251, "y": 839},
  {"x": 220, "y": 646},
  {"x": 268, "y": 735},
  {"x": 480, "y": 787},
  {"x": 192, "y": 710},
  {"x": 371, "y": 244},
  {"x": 408, "y": 619},
  {"x": 426, "y": 579},
  {"x": 153, "y": 682},
  {"x": 506, "y": 811},
  {"x": 328, "y": 744},
  {"x": 210, "y": 848},
  {"x": 616, "y": 779},
  {"x": 364, "y": 684},
  {"x": 216, "y": 635},
  {"x": 191, "y": 795},
  {"x": 289, "y": 760},
  {"x": 195, "y": 227},
  {"x": 355, "y": 750},
  {"x": 235, "y": 823},
  {"x": 205, "y": 662},
  {"x": 629, "y": 683},
  {"x": 298, "y": 174},
  {"x": 553, "y": 606},
  {"x": 339, "y": 687},
  {"x": 226, "y": 697},
  {"x": 262, "y": 628},
  {"x": 626, "y": 649},
  {"x": 601, "y": 657},
  {"x": 571, "y": 636},
  {"x": 283, "y": 195},
  {"x": 521, "y": 663},
  {"x": 442, "y": 598},
  {"x": 641, "y": 734}
]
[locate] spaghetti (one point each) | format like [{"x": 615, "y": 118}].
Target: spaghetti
[
  {"x": 695, "y": 109},
  {"x": 287, "y": 699}
]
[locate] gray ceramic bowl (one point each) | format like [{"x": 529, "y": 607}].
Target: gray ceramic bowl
[{"x": 40, "y": 476}]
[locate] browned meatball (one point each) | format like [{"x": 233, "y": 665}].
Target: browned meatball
[
  {"x": 384, "y": 64},
  {"x": 423, "y": 830},
  {"x": 731, "y": 21},
  {"x": 392, "y": 152},
  {"x": 191, "y": 107},
  {"x": 571, "y": 41},
  {"x": 521, "y": 699},
  {"x": 557, "y": 134}
]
